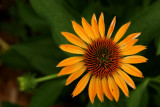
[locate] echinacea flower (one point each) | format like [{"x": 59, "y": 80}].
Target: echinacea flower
[{"x": 103, "y": 60}]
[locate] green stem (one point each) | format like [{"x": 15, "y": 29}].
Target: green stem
[{"x": 41, "y": 79}]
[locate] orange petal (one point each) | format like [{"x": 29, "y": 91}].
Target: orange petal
[
  {"x": 70, "y": 61},
  {"x": 130, "y": 37},
  {"x": 132, "y": 70},
  {"x": 113, "y": 88},
  {"x": 106, "y": 88},
  {"x": 72, "y": 49},
  {"x": 127, "y": 79},
  {"x": 134, "y": 59},
  {"x": 111, "y": 28},
  {"x": 71, "y": 68},
  {"x": 134, "y": 50},
  {"x": 99, "y": 88},
  {"x": 80, "y": 32},
  {"x": 121, "y": 32},
  {"x": 75, "y": 75},
  {"x": 92, "y": 90},
  {"x": 74, "y": 39},
  {"x": 95, "y": 26},
  {"x": 101, "y": 25},
  {"x": 120, "y": 82},
  {"x": 88, "y": 29},
  {"x": 128, "y": 44},
  {"x": 81, "y": 84}
]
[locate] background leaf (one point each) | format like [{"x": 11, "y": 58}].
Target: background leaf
[
  {"x": 146, "y": 22},
  {"x": 47, "y": 93},
  {"x": 59, "y": 21},
  {"x": 30, "y": 17},
  {"x": 139, "y": 97},
  {"x": 157, "y": 42},
  {"x": 7, "y": 104},
  {"x": 35, "y": 52}
]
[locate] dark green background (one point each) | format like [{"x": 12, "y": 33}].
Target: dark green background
[{"x": 38, "y": 25}]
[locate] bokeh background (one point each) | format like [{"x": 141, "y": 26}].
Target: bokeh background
[{"x": 30, "y": 33}]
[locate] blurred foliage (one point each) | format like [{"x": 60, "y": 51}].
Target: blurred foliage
[
  {"x": 7, "y": 104},
  {"x": 36, "y": 25},
  {"x": 47, "y": 93}
]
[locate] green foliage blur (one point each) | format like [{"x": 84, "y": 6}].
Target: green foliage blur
[{"x": 37, "y": 24}]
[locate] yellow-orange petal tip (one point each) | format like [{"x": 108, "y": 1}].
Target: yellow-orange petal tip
[
  {"x": 66, "y": 84},
  {"x": 73, "y": 95},
  {"x": 58, "y": 74},
  {"x": 59, "y": 65},
  {"x": 72, "y": 21},
  {"x": 142, "y": 76},
  {"x": 129, "y": 23},
  {"x": 116, "y": 100}
]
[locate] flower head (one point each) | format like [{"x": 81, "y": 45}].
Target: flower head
[
  {"x": 103, "y": 60},
  {"x": 27, "y": 82}
]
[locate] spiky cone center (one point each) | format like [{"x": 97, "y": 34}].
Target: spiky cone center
[{"x": 102, "y": 57}]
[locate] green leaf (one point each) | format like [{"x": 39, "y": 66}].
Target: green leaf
[
  {"x": 18, "y": 31},
  {"x": 29, "y": 16},
  {"x": 136, "y": 98},
  {"x": 41, "y": 53},
  {"x": 147, "y": 22},
  {"x": 59, "y": 20},
  {"x": 146, "y": 3},
  {"x": 97, "y": 7},
  {"x": 47, "y": 93},
  {"x": 156, "y": 79},
  {"x": 144, "y": 99},
  {"x": 156, "y": 101},
  {"x": 157, "y": 42},
  {"x": 14, "y": 59},
  {"x": 78, "y": 5},
  {"x": 155, "y": 86},
  {"x": 155, "y": 83},
  {"x": 7, "y": 104}
]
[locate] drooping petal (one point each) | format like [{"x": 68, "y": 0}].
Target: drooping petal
[
  {"x": 120, "y": 82},
  {"x": 127, "y": 79},
  {"x": 81, "y": 84},
  {"x": 106, "y": 89},
  {"x": 130, "y": 37},
  {"x": 72, "y": 49},
  {"x": 80, "y": 32},
  {"x": 92, "y": 89},
  {"x": 134, "y": 50},
  {"x": 70, "y": 61},
  {"x": 121, "y": 32},
  {"x": 113, "y": 88},
  {"x": 132, "y": 70},
  {"x": 111, "y": 28},
  {"x": 95, "y": 26},
  {"x": 75, "y": 75},
  {"x": 134, "y": 59},
  {"x": 71, "y": 68},
  {"x": 101, "y": 25},
  {"x": 74, "y": 39},
  {"x": 88, "y": 29},
  {"x": 99, "y": 89}
]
